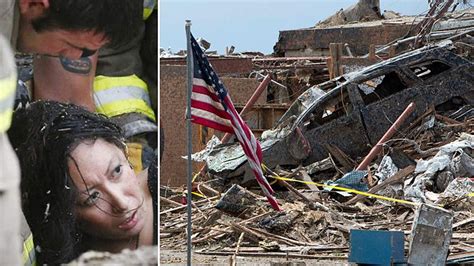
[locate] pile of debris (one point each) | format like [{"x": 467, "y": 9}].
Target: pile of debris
[{"x": 316, "y": 219}]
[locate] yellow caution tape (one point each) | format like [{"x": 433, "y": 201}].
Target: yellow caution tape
[
  {"x": 273, "y": 182},
  {"x": 349, "y": 190},
  {"x": 199, "y": 194},
  {"x": 194, "y": 193},
  {"x": 470, "y": 194},
  {"x": 194, "y": 177}
]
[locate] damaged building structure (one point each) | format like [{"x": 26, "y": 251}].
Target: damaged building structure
[{"x": 360, "y": 83}]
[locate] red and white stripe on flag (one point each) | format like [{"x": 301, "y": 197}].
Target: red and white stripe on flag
[
  {"x": 206, "y": 108},
  {"x": 252, "y": 149}
]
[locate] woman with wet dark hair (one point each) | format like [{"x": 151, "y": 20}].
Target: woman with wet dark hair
[{"x": 79, "y": 192}]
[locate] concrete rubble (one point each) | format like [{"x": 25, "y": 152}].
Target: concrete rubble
[
  {"x": 315, "y": 223},
  {"x": 144, "y": 256},
  {"x": 364, "y": 10},
  {"x": 311, "y": 150}
]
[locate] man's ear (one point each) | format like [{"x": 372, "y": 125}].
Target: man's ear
[{"x": 33, "y": 8}]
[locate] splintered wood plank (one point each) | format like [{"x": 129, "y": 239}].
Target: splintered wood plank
[{"x": 346, "y": 162}]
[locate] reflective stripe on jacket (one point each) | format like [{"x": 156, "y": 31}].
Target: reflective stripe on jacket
[
  {"x": 7, "y": 97},
  {"x": 7, "y": 84},
  {"x": 29, "y": 255},
  {"x": 115, "y": 96},
  {"x": 148, "y": 6}
]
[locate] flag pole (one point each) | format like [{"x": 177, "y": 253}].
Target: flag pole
[{"x": 189, "y": 60}]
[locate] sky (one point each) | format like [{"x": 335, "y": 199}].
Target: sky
[{"x": 253, "y": 25}]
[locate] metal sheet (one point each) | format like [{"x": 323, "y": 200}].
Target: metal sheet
[
  {"x": 376, "y": 247},
  {"x": 430, "y": 236}
]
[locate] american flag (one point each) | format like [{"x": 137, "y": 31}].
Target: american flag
[{"x": 212, "y": 107}]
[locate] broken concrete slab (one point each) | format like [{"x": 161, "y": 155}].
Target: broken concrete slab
[
  {"x": 280, "y": 222},
  {"x": 457, "y": 190},
  {"x": 236, "y": 200},
  {"x": 389, "y": 14},
  {"x": 364, "y": 10}
]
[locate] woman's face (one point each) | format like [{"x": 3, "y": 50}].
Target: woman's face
[{"x": 110, "y": 201}]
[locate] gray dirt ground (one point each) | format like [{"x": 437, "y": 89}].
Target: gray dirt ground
[{"x": 175, "y": 257}]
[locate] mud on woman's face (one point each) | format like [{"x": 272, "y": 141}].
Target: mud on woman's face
[{"x": 109, "y": 204}]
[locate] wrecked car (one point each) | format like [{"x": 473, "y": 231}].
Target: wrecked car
[{"x": 353, "y": 111}]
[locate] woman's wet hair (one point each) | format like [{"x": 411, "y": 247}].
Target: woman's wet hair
[{"x": 43, "y": 135}]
